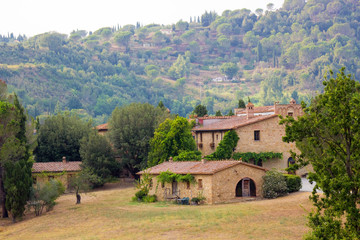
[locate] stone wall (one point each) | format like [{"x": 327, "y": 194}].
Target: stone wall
[
  {"x": 64, "y": 178},
  {"x": 206, "y": 139},
  {"x": 193, "y": 191},
  {"x": 225, "y": 182}
]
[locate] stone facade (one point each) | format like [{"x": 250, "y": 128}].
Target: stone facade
[
  {"x": 63, "y": 177},
  {"x": 257, "y": 133},
  {"x": 217, "y": 181}
]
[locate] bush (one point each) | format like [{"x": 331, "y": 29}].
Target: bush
[
  {"x": 141, "y": 194},
  {"x": 44, "y": 196},
  {"x": 293, "y": 182},
  {"x": 150, "y": 198},
  {"x": 274, "y": 184}
]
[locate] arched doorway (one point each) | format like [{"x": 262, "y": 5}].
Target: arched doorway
[
  {"x": 291, "y": 161},
  {"x": 245, "y": 188}
]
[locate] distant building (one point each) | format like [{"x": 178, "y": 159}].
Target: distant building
[
  {"x": 63, "y": 171},
  {"x": 258, "y": 129}
]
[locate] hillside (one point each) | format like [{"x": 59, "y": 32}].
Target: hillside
[{"x": 277, "y": 54}]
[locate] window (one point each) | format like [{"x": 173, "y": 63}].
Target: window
[
  {"x": 162, "y": 185},
  {"x": 217, "y": 137},
  {"x": 151, "y": 183},
  {"x": 187, "y": 185},
  {"x": 257, "y": 135},
  {"x": 200, "y": 137},
  {"x": 290, "y": 114},
  {"x": 50, "y": 177},
  {"x": 34, "y": 180},
  {"x": 200, "y": 184}
]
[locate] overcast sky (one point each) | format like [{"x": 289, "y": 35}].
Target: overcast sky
[{"x": 32, "y": 17}]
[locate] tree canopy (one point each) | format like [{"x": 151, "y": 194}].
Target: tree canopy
[
  {"x": 171, "y": 138},
  {"x": 60, "y": 136},
  {"x": 328, "y": 137},
  {"x": 131, "y": 128}
]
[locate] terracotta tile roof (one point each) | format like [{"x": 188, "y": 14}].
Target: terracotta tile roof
[
  {"x": 208, "y": 168},
  {"x": 233, "y": 123},
  {"x": 262, "y": 109},
  {"x": 103, "y": 127},
  {"x": 216, "y": 117},
  {"x": 56, "y": 167}
]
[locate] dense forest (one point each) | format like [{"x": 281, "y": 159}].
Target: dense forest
[{"x": 213, "y": 59}]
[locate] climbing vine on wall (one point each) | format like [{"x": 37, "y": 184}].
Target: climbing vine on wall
[
  {"x": 170, "y": 177},
  {"x": 256, "y": 157}
]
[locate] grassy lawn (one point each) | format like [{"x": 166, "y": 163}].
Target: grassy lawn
[{"x": 109, "y": 214}]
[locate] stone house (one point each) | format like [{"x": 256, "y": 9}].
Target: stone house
[
  {"x": 102, "y": 129},
  {"x": 217, "y": 181},
  {"x": 258, "y": 130},
  {"x": 43, "y": 172}
]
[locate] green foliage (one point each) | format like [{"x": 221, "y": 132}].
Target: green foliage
[
  {"x": 229, "y": 69},
  {"x": 97, "y": 156},
  {"x": 180, "y": 68},
  {"x": 143, "y": 184},
  {"x": 293, "y": 182},
  {"x": 169, "y": 177},
  {"x": 17, "y": 185},
  {"x": 256, "y": 157},
  {"x": 230, "y": 113},
  {"x": 172, "y": 138},
  {"x": 150, "y": 198},
  {"x": 60, "y": 136},
  {"x": 274, "y": 184},
  {"x": 123, "y": 38},
  {"x": 226, "y": 147},
  {"x": 44, "y": 196},
  {"x": 218, "y": 113},
  {"x": 188, "y": 156},
  {"x": 132, "y": 127},
  {"x": 200, "y": 110},
  {"x": 328, "y": 137},
  {"x": 241, "y": 104}
]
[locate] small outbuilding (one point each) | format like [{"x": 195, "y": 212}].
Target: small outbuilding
[
  {"x": 63, "y": 171},
  {"x": 217, "y": 181}
]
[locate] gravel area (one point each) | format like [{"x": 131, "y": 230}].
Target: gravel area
[{"x": 307, "y": 186}]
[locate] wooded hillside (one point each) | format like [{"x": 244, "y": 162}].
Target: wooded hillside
[{"x": 270, "y": 55}]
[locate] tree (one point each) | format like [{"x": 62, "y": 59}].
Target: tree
[
  {"x": 132, "y": 127},
  {"x": 226, "y": 147},
  {"x": 60, "y": 136},
  {"x": 218, "y": 113},
  {"x": 229, "y": 69},
  {"x": 15, "y": 168},
  {"x": 97, "y": 156},
  {"x": 171, "y": 138},
  {"x": 200, "y": 110},
  {"x": 17, "y": 184},
  {"x": 180, "y": 68},
  {"x": 230, "y": 113},
  {"x": 81, "y": 183},
  {"x": 241, "y": 104},
  {"x": 123, "y": 38},
  {"x": 328, "y": 137}
]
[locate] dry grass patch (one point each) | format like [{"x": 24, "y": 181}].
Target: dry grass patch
[{"x": 110, "y": 215}]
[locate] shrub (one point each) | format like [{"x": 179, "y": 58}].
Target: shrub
[
  {"x": 274, "y": 184},
  {"x": 45, "y": 196},
  {"x": 293, "y": 182},
  {"x": 141, "y": 194},
  {"x": 150, "y": 198}
]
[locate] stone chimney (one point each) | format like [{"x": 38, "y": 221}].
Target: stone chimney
[
  {"x": 170, "y": 159},
  {"x": 64, "y": 159},
  {"x": 203, "y": 161},
  {"x": 250, "y": 110}
]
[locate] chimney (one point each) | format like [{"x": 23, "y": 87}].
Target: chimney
[
  {"x": 64, "y": 160},
  {"x": 250, "y": 110},
  {"x": 203, "y": 161},
  {"x": 170, "y": 159}
]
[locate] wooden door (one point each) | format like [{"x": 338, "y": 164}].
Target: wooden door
[{"x": 246, "y": 188}]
